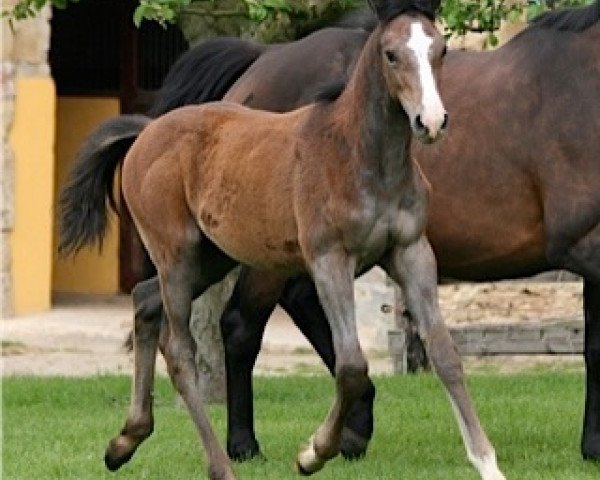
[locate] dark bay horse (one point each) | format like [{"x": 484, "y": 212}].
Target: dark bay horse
[
  {"x": 523, "y": 198},
  {"x": 329, "y": 190}
]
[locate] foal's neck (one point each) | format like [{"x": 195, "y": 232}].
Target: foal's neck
[{"x": 374, "y": 122}]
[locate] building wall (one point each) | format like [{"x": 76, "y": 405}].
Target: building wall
[
  {"x": 40, "y": 136},
  {"x": 28, "y": 104},
  {"x": 89, "y": 271},
  {"x": 32, "y": 139}
]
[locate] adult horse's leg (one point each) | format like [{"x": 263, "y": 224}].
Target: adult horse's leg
[
  {"x": 583, "y": 257},
  {"x": 590, "y": 441},
  {"x": 140, "y": 423},
  {"x": 333, "y": 273},
  {"x": 414, "y": 268},
  {"x": 242, "y": 325},
  {"x": 301, "y": 302}
]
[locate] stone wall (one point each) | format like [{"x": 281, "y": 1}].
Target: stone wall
[
  {"x": 25, "y": 48},
  {"x": 7, "y": 188}
]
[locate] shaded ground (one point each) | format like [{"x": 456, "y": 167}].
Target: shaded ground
[{"x": 84, "y": 336}]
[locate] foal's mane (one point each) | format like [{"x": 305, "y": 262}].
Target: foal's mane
[{"x": 569, "y": 19}]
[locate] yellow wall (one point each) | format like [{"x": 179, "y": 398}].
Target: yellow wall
[
  {"x": 89, "y": 271},
  {"x": 32, "y": 139}
]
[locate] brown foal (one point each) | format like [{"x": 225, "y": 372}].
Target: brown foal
[{"x": 328, "y": 189}]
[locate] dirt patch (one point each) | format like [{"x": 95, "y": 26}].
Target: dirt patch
[
  {"x": 511, "y": 302},
  {"x": 84, "y": 336}
]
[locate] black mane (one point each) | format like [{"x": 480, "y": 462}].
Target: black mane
[
  {"x": 330, "y": 92},
  {"x": 362, "y": 18},
  {"x": 205, "y": 73},
  {"x": 387, "y": 10},
  {"x": 570, "y": 19}
]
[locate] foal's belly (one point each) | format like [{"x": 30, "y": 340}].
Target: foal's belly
[
  {"x": 256, "y": 244},
  {"x": 247, "y": 211}
]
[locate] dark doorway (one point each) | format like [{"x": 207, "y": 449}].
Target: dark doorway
[{"x": 97, "y": 51}]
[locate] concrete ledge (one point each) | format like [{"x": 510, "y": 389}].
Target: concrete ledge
[{"x": 564, "y": 337}]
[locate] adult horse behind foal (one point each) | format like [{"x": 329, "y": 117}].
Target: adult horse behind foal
[
  {"x": 329, "y": 190},
  {"x": 523, "y": 198}
]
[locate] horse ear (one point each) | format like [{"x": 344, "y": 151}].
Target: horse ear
[
  {"x": 428, "y": 5},
  {"x": 384, "y": 9},
  {"x": 435, "y": 5}
]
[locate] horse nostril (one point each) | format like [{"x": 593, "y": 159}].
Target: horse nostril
[
  {"x": 419, "y": 123},
  {"x": 445, "y": 122}
]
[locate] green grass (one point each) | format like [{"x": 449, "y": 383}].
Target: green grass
[{"x": 58, "y": 428}]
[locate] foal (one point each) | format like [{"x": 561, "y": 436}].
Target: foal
[{"x": 329, "y": 190}]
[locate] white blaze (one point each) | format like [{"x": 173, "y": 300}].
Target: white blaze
[{"x": 432, "y": 114}]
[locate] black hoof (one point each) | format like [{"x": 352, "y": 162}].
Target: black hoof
[
  {"x": 114, "y": 463},
  {"x": 591, "y": 453},
  {"x": 244, "y": 451},
  {"x": 353, "y": 446}
]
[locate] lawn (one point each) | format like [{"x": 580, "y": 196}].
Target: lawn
[{"x": 57, "y": 429}]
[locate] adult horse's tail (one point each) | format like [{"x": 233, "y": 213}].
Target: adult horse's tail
[
  {"x": 85, "y": 199},
  {"x": 205, "y": 73}
]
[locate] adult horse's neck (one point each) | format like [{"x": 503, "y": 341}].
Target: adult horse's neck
[{"x": 374, "y": 124}]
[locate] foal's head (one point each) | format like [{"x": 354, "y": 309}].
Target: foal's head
[{"x": 412, "y": 50}]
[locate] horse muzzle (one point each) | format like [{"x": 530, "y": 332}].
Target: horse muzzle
[{"x": 430, "y": 130}]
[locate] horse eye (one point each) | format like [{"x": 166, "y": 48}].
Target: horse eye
[{"x": 391, "y": 56}]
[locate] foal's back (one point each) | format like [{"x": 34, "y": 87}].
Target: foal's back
[{"x": 229, "y": 170}]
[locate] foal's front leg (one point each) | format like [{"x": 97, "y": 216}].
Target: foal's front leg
[
  {"x": 414, "y": 269},
  {"x": 333, "y": 273},
  {"x": 301, "y": 302},
  {"x": 181, "y": 281}
]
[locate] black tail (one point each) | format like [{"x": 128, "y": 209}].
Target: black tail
[
  {"x": 83, "y": 201},
  {"x": 205, "y": 73}
]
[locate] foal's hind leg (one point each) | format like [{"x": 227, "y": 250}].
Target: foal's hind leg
[
  {"x": 140, "y": 422},
  {"x": 186, "y": 269},
  {"x": 301, "y": 302},
  {"x": 414, "y": 268}
]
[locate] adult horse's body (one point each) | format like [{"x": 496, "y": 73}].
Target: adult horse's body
[
  {"x": 328, "y": 190},
  {"x": 515, "y": 184}
]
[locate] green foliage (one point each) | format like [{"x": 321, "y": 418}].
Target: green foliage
[
  {"x": 30, "y": 8},
  {"x": 458, "y": 16},
  {"x": 260, "y": 10},
  {"x": 463, "y": 16},
  {"x": 161, "y": 11}
]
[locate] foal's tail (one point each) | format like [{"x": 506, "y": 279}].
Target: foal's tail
[
  {"x": 85, "y": 199},
  {"x": 205, "y": 73}
]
